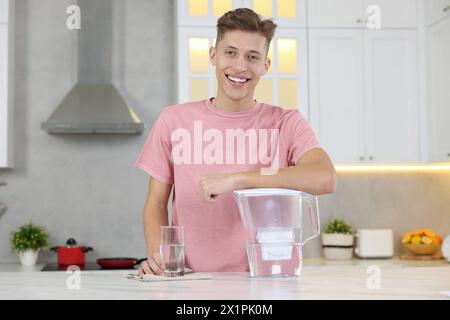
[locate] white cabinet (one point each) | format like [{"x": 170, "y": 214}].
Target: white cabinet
[
  {"x": 6, "y": 85},
  {"x": 336, "y": 92},
  {"x": 355, "y": 13},
  {"x": 396, "y": 13},
  {"x": 363, "y": 94},
  {"x": 334, "y": 13},
  {"x": 391, "y": 99},
  {"x": 439, "y": 91},
  {"x": 437, "y": 10}
]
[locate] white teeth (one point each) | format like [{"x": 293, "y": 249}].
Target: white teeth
[{"x": 237, "y": 79}]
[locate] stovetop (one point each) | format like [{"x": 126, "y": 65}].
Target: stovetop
[{"x": 88, "y": 266}]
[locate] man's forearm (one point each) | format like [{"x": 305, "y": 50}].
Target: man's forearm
[
  {"x": 154, "y": 217},
  {"x": 310, "y": 178}
]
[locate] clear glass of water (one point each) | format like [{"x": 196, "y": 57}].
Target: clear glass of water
[{"x": 172, "y": 250}]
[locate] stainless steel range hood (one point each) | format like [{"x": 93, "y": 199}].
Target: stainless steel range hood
[
  {"x": 93, "y": 108},
  {"x": 94, "y": 105}
]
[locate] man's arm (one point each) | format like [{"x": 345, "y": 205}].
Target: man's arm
[
  {"x": 314, "y": 174},
  {"x": 155, "y": 215}
]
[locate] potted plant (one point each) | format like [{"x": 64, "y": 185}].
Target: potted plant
[
  {"x": 337, "y": 240},
  {"x": 27, "y": 240}
]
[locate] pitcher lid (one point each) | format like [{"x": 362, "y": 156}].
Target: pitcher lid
[{"x": 267, "y": 192}]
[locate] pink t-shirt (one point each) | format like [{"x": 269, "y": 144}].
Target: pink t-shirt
[{"x": 194, "y": 139}]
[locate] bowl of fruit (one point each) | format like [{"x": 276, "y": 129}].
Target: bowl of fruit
[{"x": 422, "y": 242}]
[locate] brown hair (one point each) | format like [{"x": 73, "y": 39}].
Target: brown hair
[{"x": 245, "y": 19}]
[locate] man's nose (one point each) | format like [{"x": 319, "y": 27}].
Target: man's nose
[{"x": 240, "y": 64}]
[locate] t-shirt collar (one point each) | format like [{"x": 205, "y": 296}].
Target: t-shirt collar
[{"x": 231, "y": 114}]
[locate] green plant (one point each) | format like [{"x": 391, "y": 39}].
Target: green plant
[
  {"x": 29, "y": 237},
  {"x": 338, "y": 226}
]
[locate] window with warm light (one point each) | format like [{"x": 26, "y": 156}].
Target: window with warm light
[
  {"x": 263, "y": 7},
  {"x": 288, "y": 93},
  {"x": 221, "y": 6},
  {"x": 198, "y": 89},
  {"x": 287, "y": 8},
  {"x": 264, "y": 91},
  {"x": 287, "y": 55},
  {"x": 198, "y": 8},
  {"x": 198, "y": 55}
]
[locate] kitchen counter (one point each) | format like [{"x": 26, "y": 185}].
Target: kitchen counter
[{"x": 337, "y": 280}]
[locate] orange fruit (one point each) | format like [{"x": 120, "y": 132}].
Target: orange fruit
[
  {"x": 406, "y": 237},
  {"x": 438, "y": 239},
  {"x": 417, "y": 232},
  {"x": 416, "y": 239},
  {"x": 426, "y": 240},
  {"x": 429, "y": 233}
]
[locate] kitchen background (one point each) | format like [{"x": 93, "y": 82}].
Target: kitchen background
[{"x": 85, "y": 186}]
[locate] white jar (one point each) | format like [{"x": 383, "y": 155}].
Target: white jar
[{"x": 28, "y": 257}]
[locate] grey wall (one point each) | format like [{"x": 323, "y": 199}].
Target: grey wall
[{"x": 86, "y": 187}]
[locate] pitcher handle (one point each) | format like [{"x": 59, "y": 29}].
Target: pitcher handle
[{"x": 313, "y": 213}]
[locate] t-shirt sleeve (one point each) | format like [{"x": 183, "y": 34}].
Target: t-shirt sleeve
[
  {"x": 155, "y": 157},
  {"x": 300, "y": 137}
]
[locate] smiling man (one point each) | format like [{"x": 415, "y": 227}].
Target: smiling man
[{"x": 206, "y": 149}]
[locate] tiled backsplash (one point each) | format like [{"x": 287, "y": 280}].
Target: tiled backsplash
[{"x": 402, "y": 201}]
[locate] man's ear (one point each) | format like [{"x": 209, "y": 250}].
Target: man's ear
[
  {"x": 212, "y": 56},
  {"x": 267, "y": 65}
]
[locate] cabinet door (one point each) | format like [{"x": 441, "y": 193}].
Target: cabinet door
[
  {"x": 391, "y": 86},
  {"x": 437, "y": 10},
  {"x": 396, "y": 13},
  {"x": 335, "y": 13},
  {"x": 286, "y": 13},
  {"x": 439, "y": 91},
  {"x": 336, "y": 92},
  {"x": 204, "y": 13}
]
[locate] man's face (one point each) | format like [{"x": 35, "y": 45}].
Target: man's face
[{"x": 240, "y": 59}]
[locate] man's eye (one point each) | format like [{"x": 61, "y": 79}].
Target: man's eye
[
  {"x": 254, "y": 58},
  {"x": 230, "y": 53}
]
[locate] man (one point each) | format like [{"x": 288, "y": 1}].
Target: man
[{"x": 207, "y": 149}]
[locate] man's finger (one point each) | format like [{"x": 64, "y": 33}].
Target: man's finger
[
  {"x": 155, "y": 268},
  {"x": 158, "y": 260},
  {"x": 146, "y": 268}
]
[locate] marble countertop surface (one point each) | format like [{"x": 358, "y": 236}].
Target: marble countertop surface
[{"x": 320, "y": 279}]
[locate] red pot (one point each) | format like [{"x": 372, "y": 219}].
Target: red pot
[{"x": 71, "y": 254}]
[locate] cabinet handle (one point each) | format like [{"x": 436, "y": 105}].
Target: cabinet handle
[
  {"x": 358, "y": 21},
  {"x": 446, "y": 8},
  {"x": 370, "y": 158},
  {"x": 448, "y": 154},
  {"x": 361, "y": 158}
]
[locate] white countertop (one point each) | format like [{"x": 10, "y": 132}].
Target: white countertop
[{"x": 320, "y": 279}]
